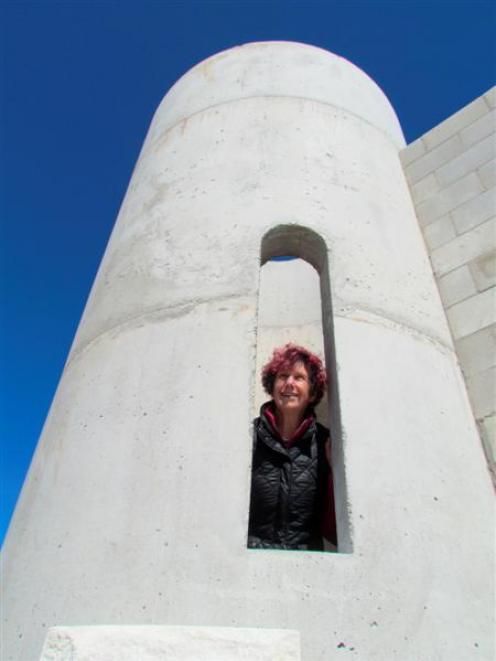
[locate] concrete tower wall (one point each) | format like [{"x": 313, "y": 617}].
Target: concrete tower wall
[
  {"x": 135, "y": 507},
  {"x": 452, "y": 175}
]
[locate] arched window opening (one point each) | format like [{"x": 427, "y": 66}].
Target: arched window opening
[
  {"x": 295, "y": 306},
  {"x": 289, "y": 310}
]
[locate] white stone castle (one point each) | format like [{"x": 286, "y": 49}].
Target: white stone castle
[{"x": 129, "y": 538}]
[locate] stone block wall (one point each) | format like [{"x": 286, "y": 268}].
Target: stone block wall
[{"x": 451, "y": 171}]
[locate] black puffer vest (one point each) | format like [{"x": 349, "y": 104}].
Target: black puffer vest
[{"x": 288, "y": 488}]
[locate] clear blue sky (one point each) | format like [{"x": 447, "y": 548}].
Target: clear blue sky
[{"x": 79, "y": 83}]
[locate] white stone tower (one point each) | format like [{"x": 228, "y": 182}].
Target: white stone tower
[{"x": 136, "y": 504}]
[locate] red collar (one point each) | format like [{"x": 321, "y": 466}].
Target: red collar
[{"x": 269, "y": 411}]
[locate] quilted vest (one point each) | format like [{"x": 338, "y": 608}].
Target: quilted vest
[{"x": 288, "y": 488}]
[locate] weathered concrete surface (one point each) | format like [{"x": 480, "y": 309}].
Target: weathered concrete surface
[
  {"x": 135, "y": 508},
  {"x": 251, "y": 71},
  {"x": 160, "y": 643}
]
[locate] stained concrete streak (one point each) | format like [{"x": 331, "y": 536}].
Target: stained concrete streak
[
  {"x": 176, "y": 311},
  {"x": 183, "y": 121},
  {"x": 157, "y": 315},
  {"x": 370, "y": 317}
]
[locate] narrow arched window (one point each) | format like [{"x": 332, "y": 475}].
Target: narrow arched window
[{"x": 295, "y": 306}]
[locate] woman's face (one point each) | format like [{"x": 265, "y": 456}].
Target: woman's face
[{"x": 292, "y": 389}]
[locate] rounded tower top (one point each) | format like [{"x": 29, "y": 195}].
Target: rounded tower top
[{"x": 277, "y": 68}]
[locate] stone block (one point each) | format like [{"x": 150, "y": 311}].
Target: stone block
[
  {"x": 484, "y": 127},
  {"x": 439, "y": 232},
  {"x": 490, "y": 97},
  {"x": 483, "y": 270},
  {"x": 456, "y": 286},
  {"x": 449, "y": 198},
  {"x": 487, "y": 174},
  {"x": 467, "y": 115},
  {"x": 475, "y": 211},
  {"x": 477, "y": 352},
  {"x": 433, "y": 159},
  {"x": 472, "y": 314},
  {"x": 425, "y": 188},
  {"x": 412, "y": 151},
  {"x": 178, "y": 643},
  {"x": 482, "y": 392},
  {"x": 464, "y": 248},
  {"x": 472, "y": 158}
]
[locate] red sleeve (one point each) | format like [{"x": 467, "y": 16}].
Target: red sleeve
[{"x": 329, "y": 513}]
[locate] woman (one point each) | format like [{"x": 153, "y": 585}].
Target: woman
[{"x": 292, "y": 504}]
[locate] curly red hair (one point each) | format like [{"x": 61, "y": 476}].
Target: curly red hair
[{"x": 284, "y": 358}]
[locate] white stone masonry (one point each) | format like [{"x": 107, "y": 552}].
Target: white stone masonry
[{"x": 452, "y": 175}]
